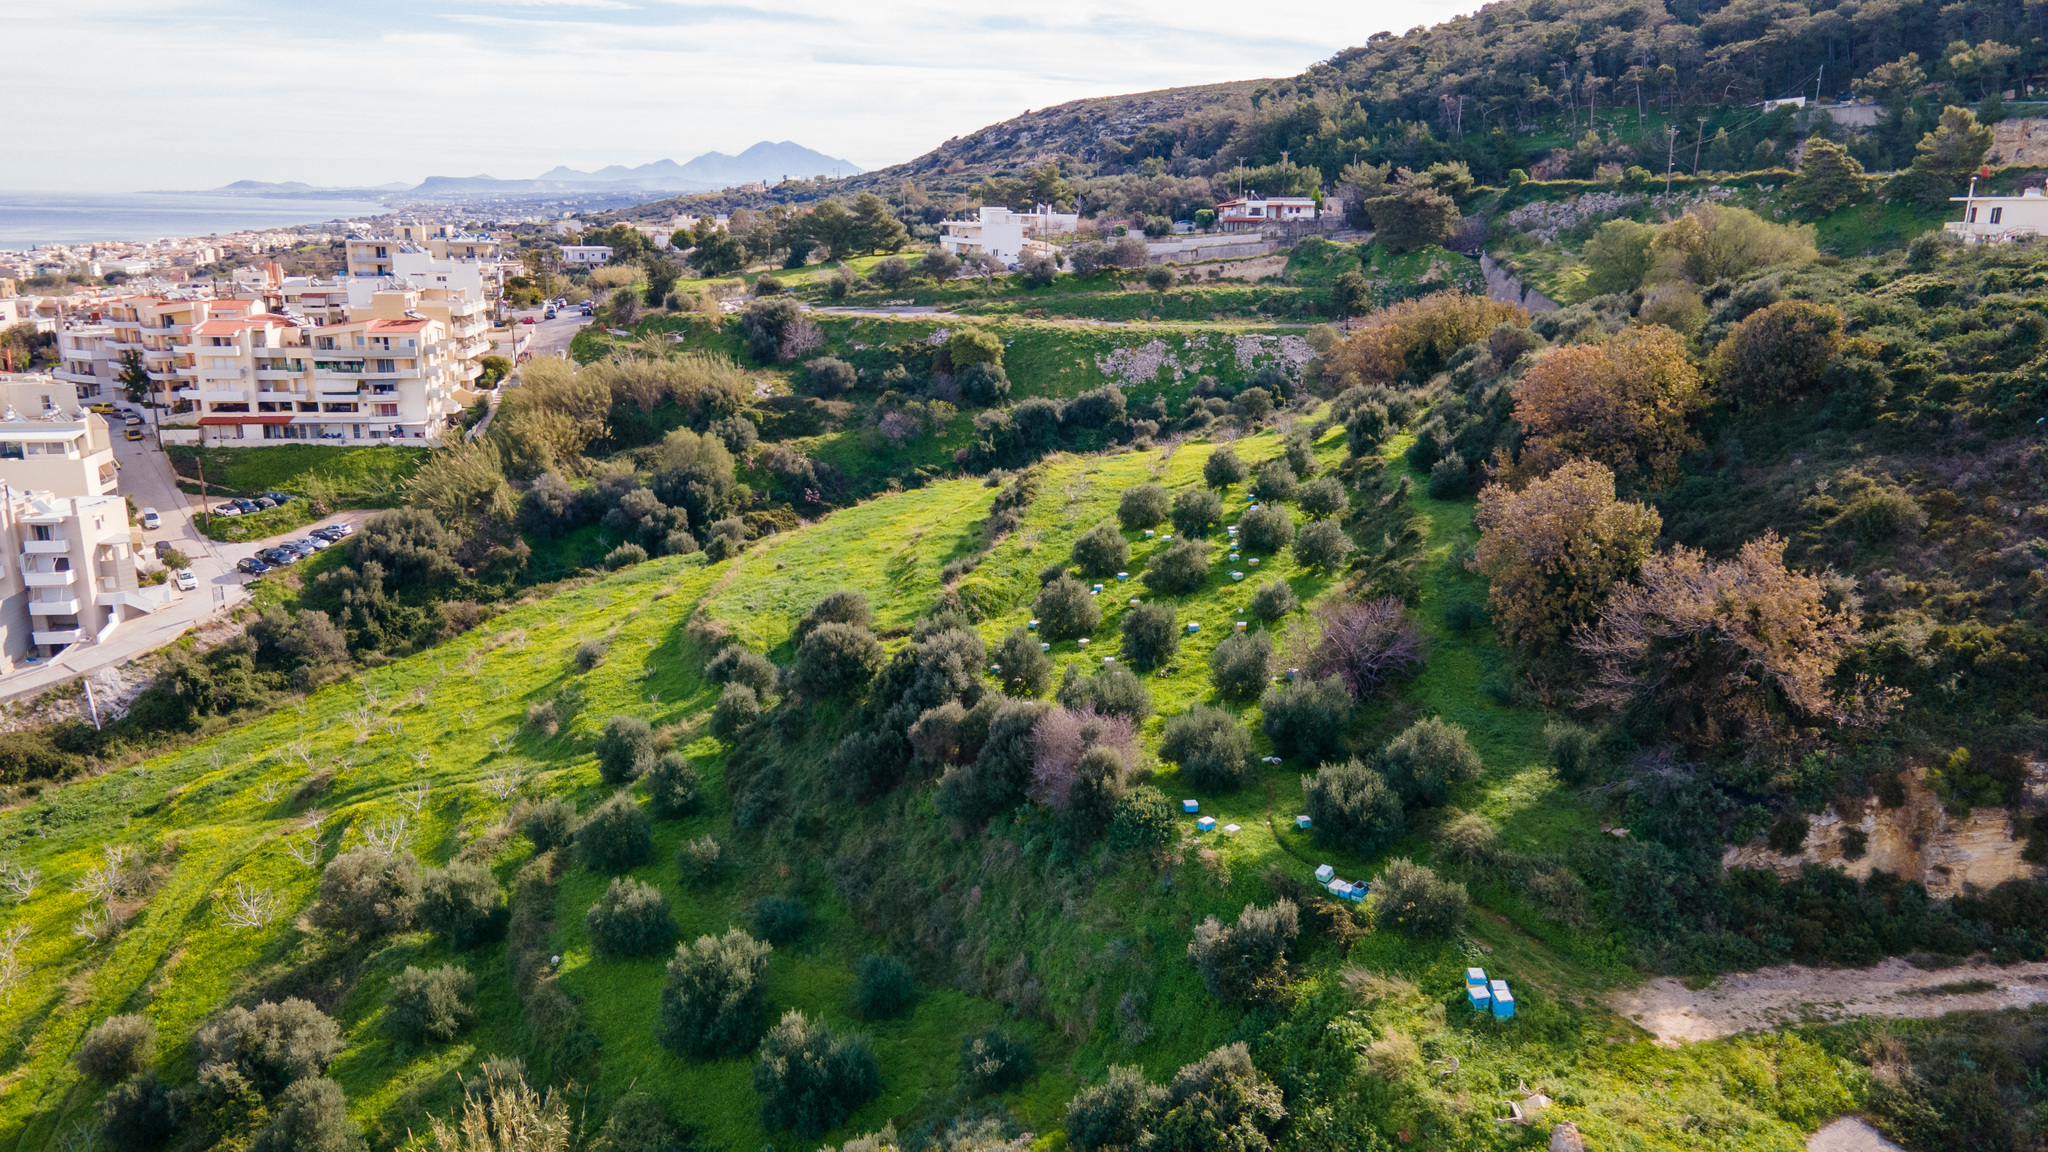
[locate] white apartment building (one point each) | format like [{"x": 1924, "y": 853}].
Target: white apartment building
[
  {"x": 1996, "y": 218},
  {"x": 586, "y": 255},
  {"x": 1004, "y": 234},
  {"x": 1253, "y": 212},
  {"x": 158, "y": 329},
  {"x": 48, "y": 442},
  {"x": 86, "y": 363},
  {"x": 435, "y": 246}
]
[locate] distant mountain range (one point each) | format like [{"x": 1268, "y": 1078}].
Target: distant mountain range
[{"x": 767, "y": 161}]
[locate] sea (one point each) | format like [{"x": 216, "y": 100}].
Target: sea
[{"x": 28, "y": 219}]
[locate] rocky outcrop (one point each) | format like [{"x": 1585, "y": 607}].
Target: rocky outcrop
[
  {"x": 1918, "y": 840},
  {"x": 2022, "y": 141}
]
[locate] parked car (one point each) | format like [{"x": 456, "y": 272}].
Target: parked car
[
  {"x": 277, "y": 557},
  {"x": 316, "y": 543},
  {"x": 104, "y": 409},
  {"x": 251, "y": 565},
  {"x": 164, "y": 547},
  {"x": 229, "y": 509},
  {"x": 134, "y": 433},
  {"x": 328, "y": 534},
  {"x": 586, "y": 309},
  {"x": 136, "y": 418},
  {"x": 248, "y": 506},
  {"x": 340, "y": 530},
  {"x": 186, "y": 581},
  {"x": 526, "y": 319},
  {"x": 265, "y": 503},
  {"x": 280, "y": 497},
  {"x": 150, "y": 520}
]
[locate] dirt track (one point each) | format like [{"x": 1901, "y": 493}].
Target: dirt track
[{"x": 1770, "y": 997}]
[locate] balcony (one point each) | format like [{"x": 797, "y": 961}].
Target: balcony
[
  {"x": 224, "y": 395},
  {"x": 58, "y": 547},
  {"x": 64, "y": 579},
  {"x": 65, "y": 636},
  {"x": 54, "y": 607}
]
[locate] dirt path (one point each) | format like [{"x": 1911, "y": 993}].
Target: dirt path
[{"x": 1771, "y": 997}]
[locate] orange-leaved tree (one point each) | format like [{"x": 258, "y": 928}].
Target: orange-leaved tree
[
  {"x": 1555, "y": 549},
  {"x": 1415, "y": 336},
  {"x": 1779, "y": 353},
  {"x": 1624, "y": 403}
]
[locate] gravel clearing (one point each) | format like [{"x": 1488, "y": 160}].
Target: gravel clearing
[{"x": 1772, "y": 997}]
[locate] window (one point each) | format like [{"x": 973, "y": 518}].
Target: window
[
  {"x": 387, "y": 366},
  {"x": 384, "y": 409},
  {"x": 12, "y": 450},
  {"x": 1996, "y": 213},
  {"x": 1970, "y": 217}
]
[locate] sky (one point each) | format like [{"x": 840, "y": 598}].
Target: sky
[{"x": 127, "y": 95}]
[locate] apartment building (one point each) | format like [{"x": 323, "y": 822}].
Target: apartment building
[
  {"x": 159, "y": 330},
  {"x": 48, "y": 442},
  {"x": 1005, "y": 234},
  {"x": 413, "y": 248},
  {"x": 87, "y": 364}
]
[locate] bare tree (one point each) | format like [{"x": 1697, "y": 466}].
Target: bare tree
[
  {"x": 415, "y": 797},
  {"x": 19, "y": 880},
  {"x": 268, "y": 790},
  {"x": 362, "y": 720},
  {"x": 468, "y": 718},
  {"x": 305, "y": 848},
  {"x": 96, "y": 923},
  {"x": 503, "y": 783},
  {"x": 12, "y": 970},
  {"x": 387, "y": 835},
  {"x": 248, "y": 907}
]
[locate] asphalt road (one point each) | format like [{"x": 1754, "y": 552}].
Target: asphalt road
[{"x": 551, "y": 336}]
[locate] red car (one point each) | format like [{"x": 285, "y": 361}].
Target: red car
[{"x": 526, "y": 319}]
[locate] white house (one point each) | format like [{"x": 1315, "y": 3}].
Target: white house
[
  {"x": 586, "y": 255},
  {"x": 1995, "y": 218},
  {"x": 1253, "y": 212},
  {"x": 1004, "y": 234}
]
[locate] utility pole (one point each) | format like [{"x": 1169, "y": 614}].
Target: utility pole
[
  {"x": 1697, "y": 138},
  {"x": 1670, "y": 143},
  {"x": 205, "y": 509}
]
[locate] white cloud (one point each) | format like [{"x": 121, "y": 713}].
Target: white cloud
[{"x": 134, "y": 94}]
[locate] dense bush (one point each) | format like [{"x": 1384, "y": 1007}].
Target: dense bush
[
  {"x": 1151, "y": 636},
  {"x": 1779, "y": 353},
  {"x": 367, "y": 893},
  {"x": 460, "y": 902},
  {"x": 1112, "y": 690},
  {"x": 810, "y": 1079},
  {"x": 1195, "y": 512},
  {"x": 1266, "y": 528},
  {"x": 1351, "y": 806},
  {"x": 1223, "y": 468},
  {"x": 1102, "y": 552},
  {"x": 1428, "y": 759},
  {"x": 712, "y": 998},
  {"x": 1574, "y": 752},
  {"x": 883, "y": 988},
  {"x": 828, "y": 376},
  {"x": 1241, "y": 664},
  {"x": 1249, "y": 958},
  {"x": 1145, "y": 821},
  {"x": 736, "y": 664},
  {"x": 1213, "y": 750},
  {"x": 1142, "y": 507},
  {"x": 625, "y": 750},
  {"x": 999, "y": 774},
  {"x": 139, "y": 1112},
  {"x": 1066, "y": 610},
  {"x": 637, "y": 1122},
  {"x": 1324, "y": 497},
  {"x": 312, "y": 1117},
  {"x": 1219, "y": 1102},
  {"x": 1273, "y": 601},
  {"x": 589, "y": 655},
  {"x": 835, "y": 659},
  {"x": 625, "y": 556},
  {"x": 1099, "y": 783},
  {"x": 551, "y": 824},
  {"x": 116, "y": 1048},
  {"x": 778, "y": 919},
  {"x": 1306, "y": 718},
  {"x": 842, "y": 607},
  {"x": 1322, "y": 545},
  {"x": 429, "y": 1006},
  {"x": 673, "y": 787},
  {"x": 700, "y": 862},
  {"x": 984, "y": 384},
  {"x": 615, "y": 837},
  {"x": 273, "y": 1045},
  {"x": 735, "y": 712},
  {"x": 994, "y": 1059},
  {"x": 1178, "y": 569},
  {"x": 1025, "y": 670},
  {"x": 1450, "y": 478},
  {"x": 630, "y": 919},
  {"x": 1413, "y": 900},
  {"x": 1275, "y": 481},
  {"x": 1116, "y": 1113}
]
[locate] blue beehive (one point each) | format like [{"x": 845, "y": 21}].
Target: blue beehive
[
  {"x": 1190, "y": 807},
  {"x": 1149, "y": 533},
  {"x": 1357, "y": 893},
  {"x": 1096, "y": 588},
  {"x": 1301, "y": 822},
  {"x": 1031, "y": 625},
  {"x": 1206, "y": 823},
  {"x": 1236, "y": 576},
  {"x": 1122, "y": 576},
  {"x": 1475, "y": 976},
  {"x": 1324, "y": 873},
  {"x": 1480, "y": 995},
  {"x": 1194, "y": 627},
  {"x": 1340, "y": 889},
  {"x": 1503, "y": 1000}
]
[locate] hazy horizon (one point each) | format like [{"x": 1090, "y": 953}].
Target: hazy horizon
[{"x": 287, "y": 92}]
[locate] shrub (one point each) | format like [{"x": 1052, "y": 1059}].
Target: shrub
[
  {"x": 984, "y": 384},
  {"x": 1451, "y": 479},
  {"x": 1462, "y": 615},
  {"x": 736, "y": 664},
  {"x": 1778, "y": 354},
  {"x": 625, "y": 556},
  {"x": 994, "y": 1059},
  {"x": 625, "y": 750},
  {"x": 736, "y": 710},
  {"x": 1145, "y": 506},
  {"x": 116, "y": 1048},
  {"x": 842, "y": 607},
  {"x": 1366, "y": 644},
  {"x": 1211, "y": 747},
  {"x": 1351, "y": 806},
  {"x": 1195, "y": 512},
  {"x": 1427, "y": 759},
  {"x": 1178, "y": 569},
  {"x": 460, "y": 902},
  {"x": 1102, "y": 552},
  {"x": 1276, "y": 482},
  {"x": 1000, "y": 772},
  {"x": 139, "y": 1112},
  {"x": 1243, "y": 960},
  {"x": 1151, "y": 636},
  {"x": 1367, "y": 428},
  {"x": 810, "y": 1079},
  {"x": 589, "y": 655},
  {"x": 366, "y": 893},
  {"x": 429, "y": 1007},
  {"x": 1241, "y": 664},
  {"x": 1112, "y": 690},
  {"x": 1115, "y": 1114},
  {"x": 1788, "y": 834},
  {"x": 1554, "y": 551},
  {"x": 273, "y": 1045},
  {"x": 1266, "y": 528},
  {"x": 1273, "y": 601},
  {"x": 778, "y": 919},
  {"x": 1223, "y": 468},
  {"x": 835, "y": 659},
  {"x": 700, "y": 862},
  {"x": 1468, "y": 839},
  {"x": 1574, "y": 752},
  {"x": 1066, "y": 610},
  {"x": 616, "y": 837},
  {"x": 1324, "y": 497},
  {"x": 551, "y": 824},
  {"x": 673, "y": 787},
  {"x": 1144, "y": 821},
  {"x": 637, "y": 1122},
  {"x": 883, "y": 988},
  {"x": 1221, "y": 1102},
  {"x": 828, "y": 376},
  {"x": 1879, "y": 514},
  {"x": 1322, "y": 545},
  {"x": 1413, "y": 900},
  {"x": 631, "y": 919},
  {"x": 542, "y": 717},
  {"x": 711, "y": 1000},
  {"x": 1306, "y": 719},
  {"x": 1025, "y": 670},
  {"x": 313, "y": 1117}
]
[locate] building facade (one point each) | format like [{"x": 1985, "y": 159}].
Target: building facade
[
  {"x": 1254, "y": 212},
  {"x": 1005, "y": 234},
  {"x": 1997, "y": 218}
]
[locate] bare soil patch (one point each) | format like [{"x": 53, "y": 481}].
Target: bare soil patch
[{"x": 1791, "y": 994}]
